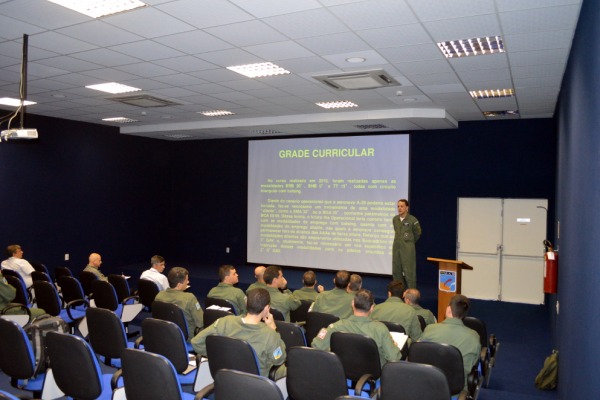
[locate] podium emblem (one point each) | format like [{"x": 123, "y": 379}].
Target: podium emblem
[{"x": 447, "y": 281}]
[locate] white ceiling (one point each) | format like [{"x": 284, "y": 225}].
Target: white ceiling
[{"x": 177, "y": 50}]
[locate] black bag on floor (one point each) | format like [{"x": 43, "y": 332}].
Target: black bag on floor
[
  {"x": 36, "y": 331},
  {"x": 547, "y": 378}
]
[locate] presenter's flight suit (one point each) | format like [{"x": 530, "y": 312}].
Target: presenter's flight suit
[{"x": 404, "y": 257}]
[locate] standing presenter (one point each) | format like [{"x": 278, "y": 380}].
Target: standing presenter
[{"x": 407, "y": 232}]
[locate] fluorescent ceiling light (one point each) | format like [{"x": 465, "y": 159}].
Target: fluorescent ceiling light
[
  {"x": 265, "y": 132},
  {"x": 503, "y": 113},
  {"x": 216, "y": 113},
  {"x": 99, "y": 8},
  {"x": 472, "y": 47},
  {"x": 488, "y": 94},
  {"x": 258, "y": 70},
  {"x": 113, "y": 87},
  {"x": 179, "y": 136},
  {"x": 121, "y": 120},
  {"x": 8, "y": 101},
  {"x": 337, "y": 104}
]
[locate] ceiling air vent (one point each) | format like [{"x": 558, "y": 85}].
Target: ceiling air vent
[
  {"x": 371, "y": 126},
  {"x": 144, "y": 100},
  {"x": 358, "y": 80}
]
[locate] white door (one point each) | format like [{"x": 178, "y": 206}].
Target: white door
[{"x": 502, "y": 240}]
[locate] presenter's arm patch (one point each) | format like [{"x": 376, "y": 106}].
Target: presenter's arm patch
[{"x": 277, "y": 353}]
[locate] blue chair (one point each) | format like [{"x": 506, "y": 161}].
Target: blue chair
[
  {"x": 17, "y": 358},
  {"x": 411, "y": 381},
  {"x": 107, "y": 335},
  {"x": 47, "y": 298},
  {"x": 75, "y": 368},
  {"x": 7, "y": 396},
  {"x": 231, "y": 384},
  {"x": 105, "y": 296},
  {"x": 172, "y": 312}
]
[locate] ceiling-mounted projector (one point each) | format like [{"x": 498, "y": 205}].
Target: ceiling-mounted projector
[{"x": 19, "y": 134}]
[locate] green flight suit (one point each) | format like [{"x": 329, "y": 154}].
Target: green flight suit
[
  {"x": 335, "y": 301},
  {"x": 8, "y": 293},
  {"x": 188, "y": 303},
  {"x": 388, "y": 351},
  {"x": 404, "y": 256},
  {"x": 229, "y": 292},
  {"x": 425, "y": 313},
  {"x": 396, "y": 311},
  {"x": 265, "y": 341},
  {"x": 284, "y": 302},
  {"x": 306, "y": 293},
  {"x": 256, "y": 285},
  {"x": 96, "y": 271}
]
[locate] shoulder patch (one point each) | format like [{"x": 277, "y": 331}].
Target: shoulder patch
[
  {"x": 277, "y": 353},
  {"x": 322, "y": 333},
  {"x": 198, "y": 306}
]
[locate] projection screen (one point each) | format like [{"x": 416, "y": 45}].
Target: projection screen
[{"x": 327, "y": 202}]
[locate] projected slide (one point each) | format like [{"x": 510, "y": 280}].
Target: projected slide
[{"x": 326, "y": 202}]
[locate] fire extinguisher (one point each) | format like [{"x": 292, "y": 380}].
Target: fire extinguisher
[{"x": 550, "y": 268}]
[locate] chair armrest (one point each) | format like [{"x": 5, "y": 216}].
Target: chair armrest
[
  {"x": 135, "y": 298},
  {"x": 205, "y": 391},
  {"x": 273, "y": 371},
  {"x": 138, "y": 342},
  {"x": 72, "y": 304},
  {"x": 114, "y": 381},
  {"x": 18, "y": 306},
  {"x": 361, "y": 382}
]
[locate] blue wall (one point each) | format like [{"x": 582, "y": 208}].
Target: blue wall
[{"x": 578, "y": 196}]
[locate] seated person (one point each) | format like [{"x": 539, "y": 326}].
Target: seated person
[
  {"x": 94, "y": 263},
  {"x": 260, "y": 282},
  {"x": 309, "y": 292},
  {"x": 282, "y": 298},
  {"x": 412, "y": 297},
  {"x": 8, "y": 293},
  {"x": 257, "y": 328},
  {"x": 361, "y": 322},
  {"x": 452, "y": 331},
  {"x": 396, "y": 311},
  {"x": 226, "y": 291},
  {"x": 155, "y": 273},
  {"x": 178, "y": 282},
  {"x": 16, "y": 263},
  {"x": 336, "y": 301},
  {"x": 355, "y": 284}
]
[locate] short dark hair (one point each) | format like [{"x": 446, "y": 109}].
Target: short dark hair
[
  {"x": 355, "y": 282},
  {"x": 363, "y": 300},
  {"x": 176, "y": 276},
  {"x": 404, "y": 201},
  {"x": 396, "y": 288},
  {"x": 157, "y": 260},
  {"x": 342, "y": 279},
  {"x": 256, "y": 300},
  {"x": 271, "y": 273},
  {"x": 224, "y": 271},
  {"x": 309, "y": 278},
  {"x": 459, "y": 304}
]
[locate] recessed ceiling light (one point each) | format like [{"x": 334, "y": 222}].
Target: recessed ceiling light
[
  {"x": 409, "y": 99},
  {"x": 99, "y": 8},
  {"x": 472, "y": 47},
  {"x": 121, "y": 120},
  {"x": 265, "y": 132},
  {"x": 488, "y": 94},
  {"x": 503, "y": 113},
  {"x": 9, "y": 101},
  {"x": 113, "y": 88},
  {"x": 355, "y": 59},
  {"x": 259, "y": 70},
  {"x": 59, "y": 96},
  {"x": 337, "y": 104},
  {"x": 216, "y": 113},
  {"x": 371, "y": 126}
]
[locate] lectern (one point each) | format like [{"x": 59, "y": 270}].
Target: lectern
[{"x": 449, "y": 278}]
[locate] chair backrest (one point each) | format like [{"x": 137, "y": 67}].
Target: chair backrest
[
  {"x": 121, "y": 286},
  {"x": 314, "y": 374},
  {"x": 422, "y": 322},
  {"x": 478, "y": 326},
  {"x": 444, "y": 356},
  {"x": 231, "y": 384},
  {"x": 394, "y": 327},
  {"x": 411, "y": 381},
  {"x": 170, "y": 312},
  {"x": 147, "y": 290},
  {"x": 10, "y": 272},
  {"x": 104, "y": 295},
  {"x": 71, "y": 288},
  {"x": 299, "y": 314},
  {"x": 291, "y": 334},
  {"x": 165, "y": 338},
  {"x": 212, "y": 301},
  {"x": 277, "y": 315},
  {"x": 210, "y": 316},
  {"x": 230, "y": 353},
  {"x": 40, "y": 276},
  {"x": 61, "y": 271},
  {"x": 40, "y": 267},
  {"x": 149, "y": 376},
  {"x": 47, "y": 297},
  {"x": 71, "y": 357},
  {"x": 17, "y": 360},
  {"x": 21, "y": 296},
  {"x": 107, "y": 333},
  {"x": 315, "y": 321},
  {"x": 359, "y": 354},
  {"x": 86, "y": 278}
]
